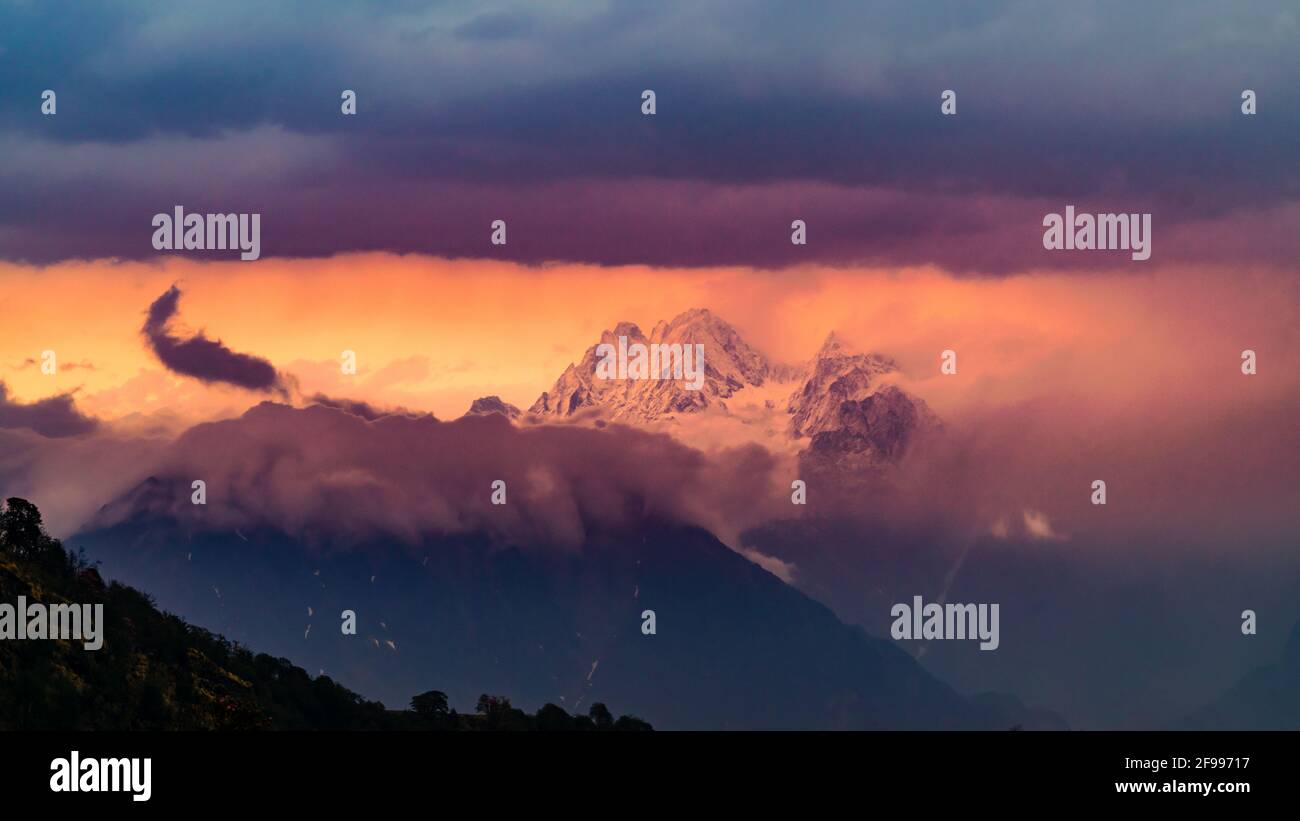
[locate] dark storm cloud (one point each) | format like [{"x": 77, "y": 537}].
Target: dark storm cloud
[
  {"x": 500, "y": 111},
  {"x": 205, "y": 359},
  {"x": 54, "y": 417}
]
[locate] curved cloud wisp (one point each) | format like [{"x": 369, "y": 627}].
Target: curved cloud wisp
[{"x": 207, "y": 360}]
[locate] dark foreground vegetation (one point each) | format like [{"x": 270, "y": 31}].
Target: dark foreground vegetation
[{"x": 157, "y": 672}]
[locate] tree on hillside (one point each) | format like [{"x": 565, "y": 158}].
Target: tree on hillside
[
  {"x": 432, "y": 704},
  {"x": 21, "y": 530},
  {"x": 601, "y": 716},
  {"x": 432, "y": 709},
  {"x": 155, "y": 671},
  {"x": 553, "y": 717},
  {"x": 498, "y": 714},
  {"x": 631, "y": 723}
]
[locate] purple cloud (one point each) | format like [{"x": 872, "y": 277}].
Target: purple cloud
[
  {"x": 206, "y": 359},
  {"x": 54, "y": 417}
]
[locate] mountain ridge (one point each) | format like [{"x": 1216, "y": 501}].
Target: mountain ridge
[
  {"x": 155, "y": 671},
  {"x": 1265, "y": 698},
  {"x": 548, "y": 626},
  {"x": 845, "y": 408}
]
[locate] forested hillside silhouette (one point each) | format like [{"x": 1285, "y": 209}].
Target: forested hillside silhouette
[{"x": 155, "y": 671}]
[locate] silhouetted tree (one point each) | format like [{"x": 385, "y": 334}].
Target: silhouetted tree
[
  {"x": 601, "y": 717},
  {"x": 489, "y": 704},
  {"x": 155, "y": 671},
  {"x": 499, "y": 715},
  {"x": 432, "y": 709},
  {"x": 21, "y": 531},
  {"x": 553, "y": 717},
  {"x": 432, "y": 704},
  {"x": 631, "y": 723}
]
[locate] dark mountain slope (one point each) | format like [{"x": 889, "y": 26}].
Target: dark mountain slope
[
  {"x": 735, "y": 647},
  {"x": 1267, "y": 698},
  {"x": 155, "y": 671}
]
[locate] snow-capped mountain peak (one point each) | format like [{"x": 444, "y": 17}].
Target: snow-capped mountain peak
[
  {"x": 843, "y": 410},
  {"x": 730, "y": 364},
  {"x": 838, "y": 374}
]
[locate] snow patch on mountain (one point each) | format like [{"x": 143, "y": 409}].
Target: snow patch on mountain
[{"x": 844, "y": 409}]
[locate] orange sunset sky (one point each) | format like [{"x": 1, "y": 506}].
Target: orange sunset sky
[{"x": 432, "y": 334}]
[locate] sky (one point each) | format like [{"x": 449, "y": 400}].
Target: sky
[
  {"x": 471, "y": 112},
  {"x": 924, "y": 234},
  {"x": 924, "y": 230},
  {"x": 433, "y": 335}
]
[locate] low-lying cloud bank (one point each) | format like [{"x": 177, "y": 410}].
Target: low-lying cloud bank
[
  {"x": 54, "y": 417},
  {"x": 333, "y": 478}
]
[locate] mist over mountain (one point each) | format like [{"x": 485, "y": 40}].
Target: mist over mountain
[
  {"x": 734, "y": 647},
  {"x": 989, "y": 505},
  {"x": 1266, "y": 698},
  {"x": 543, "y": 597},
  {"x": 332, "y": 477}
]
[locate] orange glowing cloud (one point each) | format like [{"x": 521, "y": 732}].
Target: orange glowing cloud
[{"x": 432, "y": 334}]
